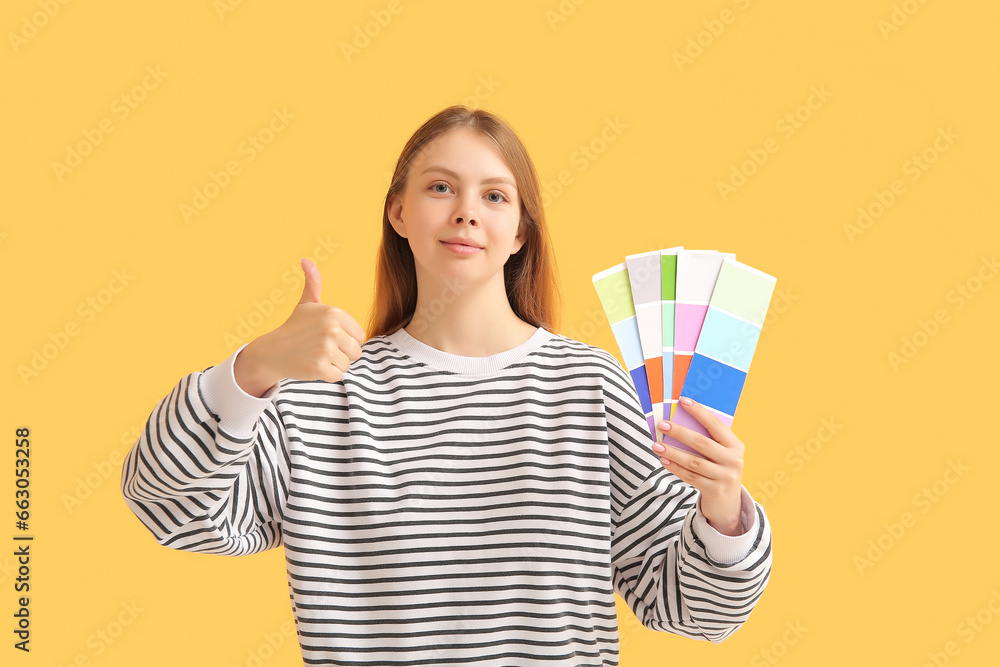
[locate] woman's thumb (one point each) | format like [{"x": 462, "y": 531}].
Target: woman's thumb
[{"x": 314, "y": 282}]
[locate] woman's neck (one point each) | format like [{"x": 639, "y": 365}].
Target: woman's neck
[{"x": 467, "y": 320}]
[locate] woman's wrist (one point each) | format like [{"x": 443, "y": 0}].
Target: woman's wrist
[{"x": 250, "y": 373}]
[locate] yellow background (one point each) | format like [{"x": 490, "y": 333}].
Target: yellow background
[{"x": 559, "y": 73}]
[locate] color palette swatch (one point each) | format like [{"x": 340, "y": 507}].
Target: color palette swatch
[
  {"x": 615, "y": 292},
  {"x": 697, "y": 271},
  {"x": 668, "y": 296},
  {"x": 644, "y": 279},
  {"x": 687, "y": 323}
]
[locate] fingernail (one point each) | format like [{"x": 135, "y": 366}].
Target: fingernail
[
  {"x": 657, "y": 447},
  {"x": 686, "y": 401},
  {"x": 664, "y": 426}
]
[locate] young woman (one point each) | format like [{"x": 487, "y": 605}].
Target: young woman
[{"x": 463, "y": 485}]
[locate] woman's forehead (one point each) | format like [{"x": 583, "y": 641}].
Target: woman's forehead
[{"x": 464, "y": 151}]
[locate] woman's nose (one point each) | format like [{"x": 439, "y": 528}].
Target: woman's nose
[{"x": 467, "y": 212}]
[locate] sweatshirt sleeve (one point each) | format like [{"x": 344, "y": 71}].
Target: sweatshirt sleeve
[
  {"x": 209, "y": 471},
  {"x": 676, "y": 572}
]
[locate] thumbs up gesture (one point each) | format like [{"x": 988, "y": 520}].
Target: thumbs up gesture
[{"x": 316, "y": 342}]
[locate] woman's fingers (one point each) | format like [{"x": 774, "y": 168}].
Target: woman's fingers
[
  {"x": 688, "y": 466},
  {"x": 717, "y": 429},
  {"x": 717, "y": 456},
  {"x": 700, "y": 443}
]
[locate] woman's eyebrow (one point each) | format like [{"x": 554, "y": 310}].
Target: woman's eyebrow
[{"x": 449, "y": 172}]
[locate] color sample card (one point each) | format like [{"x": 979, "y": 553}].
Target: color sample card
[
  {"x": 644, "y": 278},
  {"x": 615, "y": 292},
  {"x": 687, "y": 323},
  {"x": 668, "y": 294},
  {"x": 725, "y": 344},
  {"x": 697, "y": 272}
]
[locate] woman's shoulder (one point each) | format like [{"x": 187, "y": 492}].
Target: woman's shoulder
[
  {"x": 580, "y": 352},
  {"x": 380, "y": 350}
]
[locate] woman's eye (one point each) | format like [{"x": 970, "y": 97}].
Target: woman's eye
[
  {"x": 499, "y": 197},
  {"x": 439, "y": 185}
]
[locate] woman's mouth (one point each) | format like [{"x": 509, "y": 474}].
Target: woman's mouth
[{"x": 461, "y": 248}]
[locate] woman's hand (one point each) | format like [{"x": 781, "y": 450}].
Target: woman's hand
[
  {"x": 316, "y": 342},
  {"x": 718, "y": 476}
]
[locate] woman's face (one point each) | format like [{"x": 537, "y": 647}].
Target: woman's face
[{"x": 459, "y": 189}]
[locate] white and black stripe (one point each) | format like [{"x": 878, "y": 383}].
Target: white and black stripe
[{"x": 442, "y": 510}]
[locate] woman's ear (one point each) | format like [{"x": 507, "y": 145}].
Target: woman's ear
[
  {"x": 395, "y": 211},
  {"x": 522, "y": 236}
]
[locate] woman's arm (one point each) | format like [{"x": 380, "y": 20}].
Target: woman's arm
[
  {"x": 208, "y": 472},
  {"x": 676, "y": 572}
]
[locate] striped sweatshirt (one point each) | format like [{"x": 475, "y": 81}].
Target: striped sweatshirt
[{"x": 436, "y": 509}]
